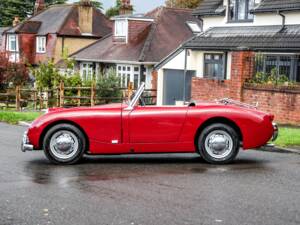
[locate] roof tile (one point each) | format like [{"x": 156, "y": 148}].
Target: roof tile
[{"x": 256, "y": 38}]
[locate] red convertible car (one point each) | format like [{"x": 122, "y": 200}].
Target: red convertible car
[{"x": 217, "y": 130}]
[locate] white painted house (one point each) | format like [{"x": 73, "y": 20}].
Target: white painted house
[{"x": 266, "y": 28}]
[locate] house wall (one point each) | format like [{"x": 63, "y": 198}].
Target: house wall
[
  {"x": 259, "y": 20},
  {"x": 44, "y": 57},
  {"x": 2, "y": 44},
  {"x": 285, "y": 105},
  {"x": 27, "y": 46},
  {"x": 71, "y": 45},
  {"x": 208, "y": 89},
  {"x": 195, "y": 62}
]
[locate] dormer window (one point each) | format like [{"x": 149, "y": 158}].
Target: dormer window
[
  {"x": 195, "y": 28},
  {"x": 41, "y": 44},
  {"x": 121, "y": 28},
  {"x": 239, "y": 10}
]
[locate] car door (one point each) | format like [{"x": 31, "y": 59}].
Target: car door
[{"x": 152, "y": 124}]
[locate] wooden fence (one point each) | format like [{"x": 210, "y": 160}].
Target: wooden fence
[{"x": 33, "y": 99}]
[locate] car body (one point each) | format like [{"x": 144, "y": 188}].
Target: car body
[{"x": 135, "y": 129}]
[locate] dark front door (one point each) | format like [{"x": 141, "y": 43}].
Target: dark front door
[{"x": 173, "y": 86}]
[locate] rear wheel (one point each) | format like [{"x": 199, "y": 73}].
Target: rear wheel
[
  {"x": 64, "y": 144},
  {"x": 218, "y": 144}
]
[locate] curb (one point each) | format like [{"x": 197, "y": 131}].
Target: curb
[
  {"x": 24, "y": 124},
  {"x": 279, "y": 150}
]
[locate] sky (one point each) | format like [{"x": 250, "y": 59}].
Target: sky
[{"x": 141, "y": 6}]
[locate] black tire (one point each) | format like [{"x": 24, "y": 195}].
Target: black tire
[
  {"x": 75, "y": 134},
  {"x": 232, "y": 143}
]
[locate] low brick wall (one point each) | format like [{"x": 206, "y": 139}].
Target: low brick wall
[
  {"x": 285, "y": 105},
  {"x": 283, "y": 102},
  {"x": 206, "y": 89}
]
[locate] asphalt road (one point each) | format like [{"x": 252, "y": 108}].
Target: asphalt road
[{"x": 259, "y": 188}]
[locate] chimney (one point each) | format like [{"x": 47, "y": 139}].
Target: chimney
[
  {"x": 126, "y": 8},
  {"x": 85, "y": 20},
  {"x": 39, "y": 6},
  {"x": 16, "y": 21}
]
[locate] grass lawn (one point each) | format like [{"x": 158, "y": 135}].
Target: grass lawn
[
  {"x": 288, "y": 137},
  {"x": 15, "y": 117}
]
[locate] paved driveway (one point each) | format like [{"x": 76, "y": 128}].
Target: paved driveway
[{"x": 259, "y": 188}]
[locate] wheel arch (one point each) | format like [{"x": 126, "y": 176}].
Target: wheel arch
[
  {"x": 214, "y": 120},
  {"x": 49, "y": 126}
]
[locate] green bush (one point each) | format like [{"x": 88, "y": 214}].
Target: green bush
[
  {"x": 47, "y": 75},
  {"x": 109, "y": 85},
  {"x": 272, "y": 78}
]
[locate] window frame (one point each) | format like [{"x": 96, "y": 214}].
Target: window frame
[
  {"x": 124, "y": 32},
  {"x": 222, "y": 62},
  {"x": 191, "y": 24},
  {"x": 125, "y": 71},
  {"x": 235, "y": 18},
  {"x": 90, "y": 70},
  {"x": 41, "y": 44},
  {"x": 9, "y": 46}
]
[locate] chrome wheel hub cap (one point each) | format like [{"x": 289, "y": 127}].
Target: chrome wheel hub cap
[
  {"x": 64, "y": 144},
  {"x": 219, "y": 144}
]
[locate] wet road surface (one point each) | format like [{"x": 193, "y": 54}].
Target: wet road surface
[{"x": 259, "y": 188}]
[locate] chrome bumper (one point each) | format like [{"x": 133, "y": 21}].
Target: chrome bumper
[
  {"x": 26, "y": 146},
  {"x": 275, "y": 133}
]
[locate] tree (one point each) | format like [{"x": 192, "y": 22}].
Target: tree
[
  {"x": 108, "y": 85},
  {"x": 97, "y": 4},
  {"x": 3, "y": 68},
  {"x": 21, "y": 8},
  {"x": 114, "y": 11},
  {"x": 15, "y": 73},
  {"x": 47, "y": 75},
  {"x": 190, "y": 4}
]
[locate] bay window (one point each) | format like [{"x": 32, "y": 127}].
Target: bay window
[
  {"x": 87, "y": 71},
  {"x": 239, "y": 10},
  {"x": 130, "y": 73}
]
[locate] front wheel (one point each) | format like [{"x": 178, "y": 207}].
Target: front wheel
[
  {"x": 64, "y": 144},
  {"x": 218, "y": 144}
]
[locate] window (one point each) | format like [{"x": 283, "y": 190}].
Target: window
[
  {"x": 195, "y": 28},
  {"x": 40, "y": 44},
  {"x": 279, "y": 65},
  {"x": 129, "y": 73},
  {"x": 214, "y": 66},
  {"x": 12, "y": 43},
  {"x": 121, "y": 28},
  {"x": 87, "y": 71},
  {"x": 239, "y": 10}
]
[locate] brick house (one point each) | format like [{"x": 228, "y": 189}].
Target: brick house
[
  {"x": 51, "y": 31},
  {"x": 137, "y": 43},
  {"x": 2, "y": 29},
  {"x": 240, "y": 38}
]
